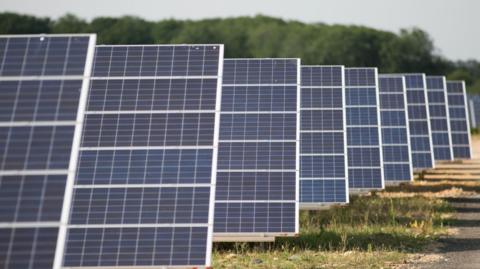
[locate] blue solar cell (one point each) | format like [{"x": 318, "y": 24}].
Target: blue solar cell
[
  {"x": 135, "y": 246},
  {"x": 42, "y": 79},
  {"x": 322, "y": 167},
  {"x": 324, "y": 98},
  {"x": 326, "y": 120},
  {"x": 258, "y": 127},
  {"x": 419, "y": 123},
  {"x": 152, "y": 94},
  {"x": 392, "y": 101},
  {"x": 322, "y": 143},
  {"x": 439, "y": 118},
  {"x": 362, "y": 136},
  {"x": 245, "y": 217},
  {"x": 172, "y": 166},
  {"x": 257, "y": 178},
  {"x": 362, "y": 116},
  {"x": 152, "y": 129},
  {"x": 28, "y": 247},
  {"x": 35, "y": 147},
  {"x": 394, "y": 135},
  {"x": 31, "y": 198},
  {"x": 266, "y": 98},
  {"x": 156, "y": 60},
  {"x": 332, "y": 191},
  {"x": 39, "y": 100},
  {"x": 146, "y": 158},
  {"x": 323, "y": 176},
  {"x": 458, "y": 116},
  {"x": 44, "y": 55},
  {"x": 367, "y": 178},
  {"x": 256, "y": 186},
  {"x": 393, "y": 118},
  {"x": 147, "y": 205},
  {"x": 260, "y": 71},
  {"x": 363, "y": 130},
  {"x": 323, "y": 76}
]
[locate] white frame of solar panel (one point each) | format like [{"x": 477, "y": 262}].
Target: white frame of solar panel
[
  {"x": 214, "y": 148},
  {"x": 407, "y": 126},
  {"x": 318, "y": 206},
  {"x": 62, "y": 232},
  {"x": 70, "y": 172},
  {"x": 467, "y": 119},
  {"x": 471, "y": 113},
  {"x": 363, "y": 190},
  {"x": 447, "y": 117},
  {"x": 424, "y": 76},
  {"x": 269, "y": 237}
]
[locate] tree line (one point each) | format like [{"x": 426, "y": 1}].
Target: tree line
[{"x": 410, "y": 50}]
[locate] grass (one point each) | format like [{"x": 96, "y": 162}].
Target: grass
[
  {"x": 381, "y": 230},
  {"x": 371, "y": 232}
]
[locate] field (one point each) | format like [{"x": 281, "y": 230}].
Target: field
[{"x": 387, "y": 229}]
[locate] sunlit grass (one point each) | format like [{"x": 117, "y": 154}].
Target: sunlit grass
[{"x": 374, "y": 230}]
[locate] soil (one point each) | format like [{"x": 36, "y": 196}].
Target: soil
[{"x": 462, "y": 249}]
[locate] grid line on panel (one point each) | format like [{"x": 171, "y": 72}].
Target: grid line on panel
[
  {"x": 419, "y": 123},
  {"x": 41, "y": 77},
  {"x": 364, "y": 138},
  {"x": 395, "y": 130},
  {"x": 256, "y": 159},
  {"x": 459, "y": 120},
  {"x": 322, "y": 90},
  {"x": 125, "y": 170},
  {"x": 439, "y": 117}
]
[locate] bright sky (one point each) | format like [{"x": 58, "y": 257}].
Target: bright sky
[{"x": 453, "y": 24}]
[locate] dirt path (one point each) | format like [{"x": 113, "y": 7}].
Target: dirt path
[{"x": 462, "y": 249}]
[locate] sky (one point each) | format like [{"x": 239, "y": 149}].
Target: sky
[{"x": 454, "y": 25}]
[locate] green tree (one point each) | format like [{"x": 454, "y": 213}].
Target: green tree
[
  {"x": 11, "y": 23},
  {"x": 164, "y": 31},
  {"x": 69, "y": 23},
  {"x": 412, "y": 51},
  {"x": 461, "y": 74},
  {"x": 123, "y": 30}
]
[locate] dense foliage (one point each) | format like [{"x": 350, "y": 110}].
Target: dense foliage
[{"x": 411, "y": 50}]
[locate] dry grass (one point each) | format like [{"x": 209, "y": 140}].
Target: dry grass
[{"x": 387, "y": 229}]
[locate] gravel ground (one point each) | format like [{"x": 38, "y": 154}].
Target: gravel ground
[{"x": 461, "y": 250}]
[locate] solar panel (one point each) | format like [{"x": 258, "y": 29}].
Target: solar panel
[
  {"x": 395, "y": 133},
  {"x": 143, "y": 190},
  {"x": 459, "y": 124},
  {"x": 365, "y": 160},
  {"x": 419, "y": 123},
  {"x": 42, "y": 79},
  {"x": 474, "y": 110},
  {"x": 439, "y": 118},
  {"x": 257, "y": 169},
  {"x": 323, "y": 169}
]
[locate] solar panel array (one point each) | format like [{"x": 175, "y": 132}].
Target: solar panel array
[
  {"x": 42, "y": 80},
  {"x": 141, "y": 155},
  {"x": 363, "y": 129},
  {"x": 458, "y": 116},
  {"x": 438, "y": 114},
  {"x": 395, "y": 133},
  {"x": 323, "y": 169},
  {"x": 419, "y": 123},
  {"x": 143, "y": 190},
  {"x": 257, "y": 169}
]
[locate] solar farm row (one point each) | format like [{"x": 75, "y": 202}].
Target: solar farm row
[{"x": 143, "y": 155}]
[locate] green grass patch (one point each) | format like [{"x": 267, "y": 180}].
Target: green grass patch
[{"x": 389, "y": 227}]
